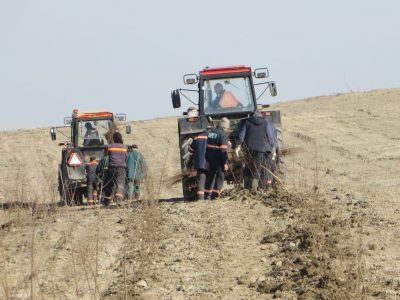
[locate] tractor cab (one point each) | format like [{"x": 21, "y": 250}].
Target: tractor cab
[
  {"x": 225, "y": 91},
  {"x": 91, "y": 132}
]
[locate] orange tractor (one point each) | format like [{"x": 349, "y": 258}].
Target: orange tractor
[{"x": 88, "y": 138}]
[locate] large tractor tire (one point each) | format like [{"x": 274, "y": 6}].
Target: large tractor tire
[
  {"x": 280, "y": 163},
  {"x": 188, "y": 175},
  {"x": 71, "y": 196}
]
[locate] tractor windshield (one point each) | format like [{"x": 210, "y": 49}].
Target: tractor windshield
[
  {"x": 227, "y": 95},
  {"x": 92, "y": 132}
]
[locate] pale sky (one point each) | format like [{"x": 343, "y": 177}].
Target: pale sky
[{"x": 127, "y": 56}]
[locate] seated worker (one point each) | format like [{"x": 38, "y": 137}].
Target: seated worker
[
  {"x": 91, "y": 137},
  {"x": 224, "y": 99}
]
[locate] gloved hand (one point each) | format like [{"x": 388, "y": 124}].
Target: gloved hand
[
  {"x": 237, "y": 150},
  {"x": 226, "y": 167},
  {"x": 273, "y": 154}
]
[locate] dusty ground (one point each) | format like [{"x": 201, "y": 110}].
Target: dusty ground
[{"x": 336, "y": 237}]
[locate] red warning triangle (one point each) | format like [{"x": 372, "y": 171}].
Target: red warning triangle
[{"x": 74, "y": 160}]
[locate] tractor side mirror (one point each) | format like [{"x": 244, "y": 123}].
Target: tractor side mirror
[
  {"x": 272, "y": 88},
  {"x": 261, "y": 73},
  {"x": 53, "y": 133},
  {"x": 120, "y": 117},
  {"x": 190, "y": 79},
  {"x": 67, "y": 120},
  {"x": 176, "y": 99},
  {"x": 128, "y": 129}
]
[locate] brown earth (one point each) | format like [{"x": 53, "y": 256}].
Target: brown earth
[{"x": 336, "y": 236}]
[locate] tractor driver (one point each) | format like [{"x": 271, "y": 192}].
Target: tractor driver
[
  {"x": 219, "y": 91},
  {"x": 224, "y": 99},
  {"x": 91, "y": 136}
]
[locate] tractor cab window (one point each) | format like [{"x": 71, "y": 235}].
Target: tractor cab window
[
  {"x": 92, "y": 133},
  {"x": 227, "y": 95}
]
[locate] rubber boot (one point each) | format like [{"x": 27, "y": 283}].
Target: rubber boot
[
  {"x": 247, "y": 182},
  {"x": 214, "y": 196},
  {"x": 254, "y": 184}
]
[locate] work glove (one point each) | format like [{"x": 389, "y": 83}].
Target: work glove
[
  {"x": 273, "y": 154},
  {"x": 237, "y": 150},
  {"x": 226, "y": 167}
]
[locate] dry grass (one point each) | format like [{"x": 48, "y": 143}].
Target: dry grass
[
  {"x": 322, "y": 266},
  {"x": 317, "y": 260}
]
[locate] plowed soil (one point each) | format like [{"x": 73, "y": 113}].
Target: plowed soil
[{"x": 335, "y": 235}]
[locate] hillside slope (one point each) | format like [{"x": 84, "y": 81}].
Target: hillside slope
[{"x": 345, "y": 149}]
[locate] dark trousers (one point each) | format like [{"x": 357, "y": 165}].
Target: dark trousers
[
  {"x": 254, "y": 168},
  {"x": 92, "y": 186},
  {"x": 270, "y": 167},
  {"x": 214, "y": 181},
  {"x": 115, "y": 183},
  {"x": 201, "y": 182}
]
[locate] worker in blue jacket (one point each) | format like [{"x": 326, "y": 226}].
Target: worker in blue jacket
[
  {"x": 217, "y": 156},
  {"x": 198, "y": 149},
  {"x": 258, "y": 135}
]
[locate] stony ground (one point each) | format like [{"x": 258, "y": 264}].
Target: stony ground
[{"x": 335, "y": 237}]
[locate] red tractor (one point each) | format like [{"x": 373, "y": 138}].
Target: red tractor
[
  {"x": 88, "y": 138},
  {"x": 238, "y": 102}
]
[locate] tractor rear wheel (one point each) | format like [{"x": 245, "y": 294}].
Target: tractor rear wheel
[
  {"x": 280, "y": 164},
  {"x": 71, "y": 196},
  {"x": 189, "y": 180}
]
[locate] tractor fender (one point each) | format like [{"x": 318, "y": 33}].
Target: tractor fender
[
  {"x": 192, "y": 125},
  {"x": 273, "y": 116}
]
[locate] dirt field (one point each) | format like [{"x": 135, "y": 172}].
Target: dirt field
[{"x": 335, "y": 236}]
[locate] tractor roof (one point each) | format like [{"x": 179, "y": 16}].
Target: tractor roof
[
  {"x": 90, "y": 114},
  {"x": 227, "y": 70}
]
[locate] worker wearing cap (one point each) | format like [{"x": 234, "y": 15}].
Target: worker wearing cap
[
  {"x": 116, "y": 173},
  {"x": 192, "y": 112},
  {"x": 258, "y": 135},
  {"x": 216, "y": 156}
]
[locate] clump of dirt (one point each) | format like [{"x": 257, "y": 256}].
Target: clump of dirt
[{"x": 307, "y": 258}]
